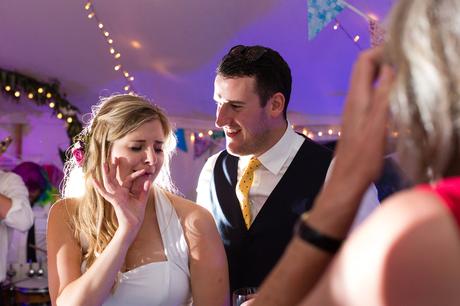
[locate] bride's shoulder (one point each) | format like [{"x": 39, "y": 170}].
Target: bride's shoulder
[
  {"x": 190, "y": 213},
  {"x": 64, "y": 208}
]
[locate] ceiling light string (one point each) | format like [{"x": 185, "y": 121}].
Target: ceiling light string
[
  {"x": 128, "y": 87},
  {"x": 354, "y": 39}
]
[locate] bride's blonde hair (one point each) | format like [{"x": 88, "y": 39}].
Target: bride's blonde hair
[{"x": 94, "y": 221}]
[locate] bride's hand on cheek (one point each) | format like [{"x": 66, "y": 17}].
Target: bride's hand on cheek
[{"x": 128, "y": 201}]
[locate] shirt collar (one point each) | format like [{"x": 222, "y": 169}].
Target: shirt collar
[{"x": 277, "y": 155}]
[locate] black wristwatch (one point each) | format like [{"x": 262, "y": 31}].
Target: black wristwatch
[{"x": 315, "y": 238}]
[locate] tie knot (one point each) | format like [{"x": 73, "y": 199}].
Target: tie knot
[{"x": 253, "y": 164}]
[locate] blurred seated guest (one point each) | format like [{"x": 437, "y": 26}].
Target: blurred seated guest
[
  {"x": 31, "y": 246},
  {"x": 15, "y": 213},
  {"x": 407, "y": 252},
  {"x": 126, "y": 238}
]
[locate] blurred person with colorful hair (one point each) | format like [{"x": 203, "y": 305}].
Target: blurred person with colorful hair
[{"x": 31, "y": 246}]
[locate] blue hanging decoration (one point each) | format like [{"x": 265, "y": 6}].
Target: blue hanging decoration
[
  {"x": 181, "y": 142},
  {"x": 320, "y": 13}
]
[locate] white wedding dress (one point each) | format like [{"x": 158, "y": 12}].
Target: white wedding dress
[{"x": 165, "y": 283}]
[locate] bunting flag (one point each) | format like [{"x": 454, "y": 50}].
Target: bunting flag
[
  {"x": 377, "y": 33},
  {"x": 320, "y": 13},
  {"x": 181, "y": 142},
  {"x": 201, "y": 145}
]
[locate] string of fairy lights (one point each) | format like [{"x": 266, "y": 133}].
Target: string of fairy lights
[
  {"x": 370, "y": 17},
  {"x": 113, "y": 52},
  {"x": 314, "y": 132},
  {"x": 16, "y": 86},
  {"x": 354, "y": 38}
]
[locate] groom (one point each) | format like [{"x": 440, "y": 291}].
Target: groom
[{"x": 268, "y": 175}]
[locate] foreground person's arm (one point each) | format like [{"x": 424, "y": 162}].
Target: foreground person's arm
[{"x": 364, "y": 127}]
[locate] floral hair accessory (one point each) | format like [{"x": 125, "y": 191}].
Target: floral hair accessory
[{"x": 78, "y": 153}]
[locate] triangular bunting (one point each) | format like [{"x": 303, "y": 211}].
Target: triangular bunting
[
  {"x": 181, "y": 143},
  {"x": 320, "y": 13}
]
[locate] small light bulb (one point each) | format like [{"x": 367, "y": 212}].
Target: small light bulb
[
  {"x": 17, "y": 93},
  {"x": 7, "y": 87},
  {"x": 112, "y": 50},
  {"x": 210, "y": 132},
  {"x": 110, "y": 41},
  {"x": 90, "y": 15},
  {"x": 100, "y": 25},
  {"x": 48, "y": 95},
  {"x": 52, "y": 105},
  {"x": 336, "y": 26},
  {"x": 69, "y": 119},
  {"x": 200, "y": 134},
  {"x": 136, "y": 44},
  {"x": 356, "y": 38},
  {"x": 59, "y": 115},
  {"x": 117, "y": 55},
  {"x": 339, "y": 133},
  {"x": 192, "y": 137},
  {"x": 87, "y": 5},
  {"x": 126, "y": 74},
  {"x": 126, "y": 88},
  {"x": 373, "y": 16},
  {"x": 117, "y": 67},
  {"x": 305, "y": 132},
  {"x": 30, "y": 95},
  {"x": 131, "y": 78},
  {"x": 40, "y": 90},
  {"x": 320, "y": 133},
  {"x": 106, "y": 34},
  {"x": 329, "y": 131},
  {"x": 311, "y": 135}
]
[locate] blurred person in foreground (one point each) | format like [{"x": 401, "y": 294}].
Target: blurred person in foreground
[
  {"x": 407, "y": 252},
  {"x": 126, "y": 238}
]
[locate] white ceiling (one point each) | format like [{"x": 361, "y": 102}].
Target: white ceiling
[{"x": 181, "y": 42}]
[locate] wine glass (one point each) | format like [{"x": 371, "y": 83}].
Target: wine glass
[
  {"x": 242, "y": 295},
  {"x": 11, "y": 272}
]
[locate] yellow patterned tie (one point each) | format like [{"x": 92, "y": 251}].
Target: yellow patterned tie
[{"x": 244, "y": 186}]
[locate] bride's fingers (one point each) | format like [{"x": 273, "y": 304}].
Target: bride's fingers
[
  {"x": 109, "y": 179},
  {"x": 113, "y": 168},
  {"x": 138, "y": 185},
  {"x": 145, "y": 190},
  {"x": 100, "y": 189},
  {"x": 117, "y": 172},
  {"x": 105, "y": 177},
  {"x": 130, "y": 178}
]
